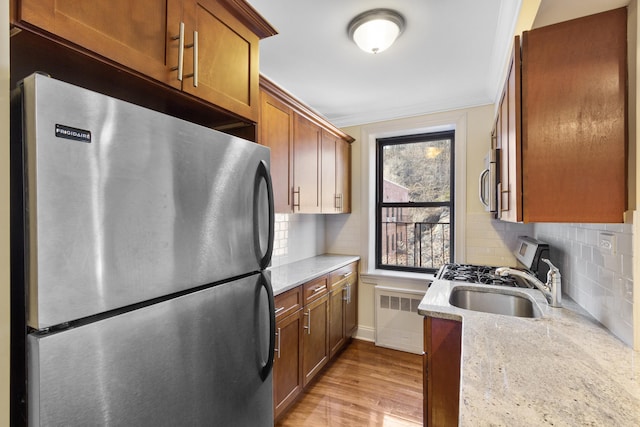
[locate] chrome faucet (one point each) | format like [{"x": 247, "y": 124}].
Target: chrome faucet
[{"x": 552, "y": 290}]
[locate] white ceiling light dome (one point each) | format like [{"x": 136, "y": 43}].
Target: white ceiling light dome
[{"x": 375, "y": 30}]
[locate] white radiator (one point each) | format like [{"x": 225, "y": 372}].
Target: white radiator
[{"x": 398, "y": 324}]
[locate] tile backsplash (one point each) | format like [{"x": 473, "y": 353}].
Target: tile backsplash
[
  {"x": 492, "y": 242},
  {"x": 297, "y": 237},
  {"x": 598, "y": 277}
]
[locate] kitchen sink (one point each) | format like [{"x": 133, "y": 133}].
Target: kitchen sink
[{"x": 496, "y": 301}]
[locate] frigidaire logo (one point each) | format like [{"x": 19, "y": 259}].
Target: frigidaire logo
[{"x": 75, "y": 134}]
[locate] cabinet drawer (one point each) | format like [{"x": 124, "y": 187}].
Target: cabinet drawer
[
  {"x": 288, "y": 302},
  {"x": 348, "y": 272},
  {"x": 315, "y": 289}
]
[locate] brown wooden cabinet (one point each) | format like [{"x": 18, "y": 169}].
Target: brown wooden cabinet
[
  {"x": 507, "y": 140},
  {"x": 351, "y": 305},
  {"x": 441, "y": 365},
  {"x": 314, "y": 321},
  {"x": 287, "y": 366},
  {"x": 335, "y": 174},
  {"x": 336, "y": 319},
  {"x": 135, "y": 34},
  {"x": 226, "y": 60},
  {"x": 564, "y": 142},
  {"x": 342, "y": 307},
  {"x": 219, "y": 44},
  {"x": 315, "y": 342},
  {"x": 306, "y": 165},
  {"x": 343, "y": 176},
  {"x": 276, "y": 131},
  {"x": 329, "y": 198},
  {"x": 310, "y": 157}
]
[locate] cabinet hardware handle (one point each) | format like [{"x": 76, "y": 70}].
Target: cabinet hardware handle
[
  {"x": 349, "y": 293},
  {"x": 294, "y": 199},
  {"x": 336, "y": 202},
  {"x": 278, "y": 349},
  {"x": 507, "y": 192},
  {"x": 308, "y": 327},
  {"x": 180, "y": 38},
  {"x": 341, "y": 202},
  {"x": 279, "y": 309},
  {"x": 499, "y": 201},
  {"x": 345, "y": 275},
  {"x": 319, "y": 288},
  {"x": 346, "y": 294},
  {"x": 194, "y": 45},
  {"x": 195, "y": 59}
]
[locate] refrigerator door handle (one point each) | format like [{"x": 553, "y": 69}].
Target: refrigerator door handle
[
  {"x": 262, "y": 173},
  {"x": 266, "y": 369}
]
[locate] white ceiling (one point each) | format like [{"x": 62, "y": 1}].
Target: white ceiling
[{"x": 451, "y": 55}]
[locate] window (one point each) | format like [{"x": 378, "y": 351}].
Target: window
[{"x": 414, "y": 201}]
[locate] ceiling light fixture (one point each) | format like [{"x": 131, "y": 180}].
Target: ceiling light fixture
[{"x": 375, "y": 30}]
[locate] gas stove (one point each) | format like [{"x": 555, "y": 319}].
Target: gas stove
[
  {"x": 528, "y": 254},
  {"x": 479, "y": 274}
]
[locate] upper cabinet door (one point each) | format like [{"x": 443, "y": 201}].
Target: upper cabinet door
[
  {"x": 276, "y": 132},
  {"x": 343, "y": 176},
  {"x": 306, "y": 164},
  {"x": 508, "y": 140},
  {"x": 329, "y": 201},
  {"x": 136, "y": 34},
  {"x": 574, "y": 120},
  {"x": 222, "y": 64},
  {"x": 207, "y": 48}
]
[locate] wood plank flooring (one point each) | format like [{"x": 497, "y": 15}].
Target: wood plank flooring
[{"x": 365, "y": 386}]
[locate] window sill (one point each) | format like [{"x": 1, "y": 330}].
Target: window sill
[{"x": 402, "y": 278}]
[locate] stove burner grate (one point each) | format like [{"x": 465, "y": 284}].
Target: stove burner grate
[{"x": 479, "y": 274}]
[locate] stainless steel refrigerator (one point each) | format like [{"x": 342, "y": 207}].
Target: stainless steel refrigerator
[{"x": 140, "y": 248}]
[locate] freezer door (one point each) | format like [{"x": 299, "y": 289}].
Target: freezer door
[
  {"x": 202, "y": 359},
  {"x": 126, "y": 204}
]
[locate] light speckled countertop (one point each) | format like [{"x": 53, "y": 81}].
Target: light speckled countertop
[
  {"x": 288, "y": 276},
  {"x": 563, "y": 369}
]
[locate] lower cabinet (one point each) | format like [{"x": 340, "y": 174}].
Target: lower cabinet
[
  {"x": 315, "y": 340},
  {"x": 351, "y": 307},
  {"x": 314, "y": 322},
  {"x": 287, "y": 364},
  {"x": 441, "y": 365},
  {"x": 336, "y": 318},
  {"x": 342, "y": 306}
]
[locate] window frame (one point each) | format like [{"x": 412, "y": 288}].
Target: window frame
[{"x": 380, "y": 205}]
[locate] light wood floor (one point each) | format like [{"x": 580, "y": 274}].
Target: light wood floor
[{"x": 365, "y": 386}]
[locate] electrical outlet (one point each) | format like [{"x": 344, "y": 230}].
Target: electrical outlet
[{"x": 607, "y": 243}]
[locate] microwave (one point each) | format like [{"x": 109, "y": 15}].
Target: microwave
[{"x": 488, "y": 183}]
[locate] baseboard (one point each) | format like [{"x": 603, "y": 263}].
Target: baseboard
[{"x": 365, "y": 333}]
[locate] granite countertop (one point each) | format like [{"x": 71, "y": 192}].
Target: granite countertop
[
  {"x": 288, "y": 276},
  {"x": 563, "y": 369}
]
